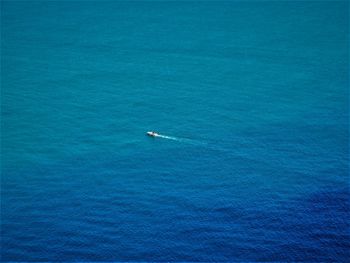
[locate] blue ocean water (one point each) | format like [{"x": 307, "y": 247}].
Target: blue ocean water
[{"x": 254, "y": 99}]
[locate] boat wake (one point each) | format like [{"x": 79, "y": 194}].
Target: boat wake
[
  {"x": 168, "y": 137},
  {"x": 212, "y": 145},
  {"x": 209, "y": 144},
  {"x": 179, "y": 139}
]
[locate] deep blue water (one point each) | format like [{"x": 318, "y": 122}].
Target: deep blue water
[{"x": 254, "y": 96}]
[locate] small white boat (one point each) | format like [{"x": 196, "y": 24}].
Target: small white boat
[{"x": 152, "y": 133}]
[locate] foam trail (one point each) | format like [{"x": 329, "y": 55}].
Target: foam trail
[
  {"x": 210, "y": 145},
  {"x": 168, "y": 137},
  {"x": 214, "y": 145},
  {"x": 173, "y": 138},
  {"x": 185, "y": 140}
]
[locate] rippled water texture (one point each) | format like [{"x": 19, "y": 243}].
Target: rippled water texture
[{"x": 251, "y": 100}]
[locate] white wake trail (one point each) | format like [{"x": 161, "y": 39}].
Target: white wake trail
[
  {"x": 179, "y": 139},
  {"x": 169, "y": 137},
  {"x": 208, "y": 144}
]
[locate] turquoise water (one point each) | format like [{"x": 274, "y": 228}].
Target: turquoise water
[{"x": 253, "y": 97}]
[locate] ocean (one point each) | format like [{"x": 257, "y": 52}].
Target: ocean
[{"x": 252, "y": 102}]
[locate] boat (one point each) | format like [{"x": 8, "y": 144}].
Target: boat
[{"x": 152, "y": 133}]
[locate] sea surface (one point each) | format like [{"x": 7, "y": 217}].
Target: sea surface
[{"x": 252, "y": 102}]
